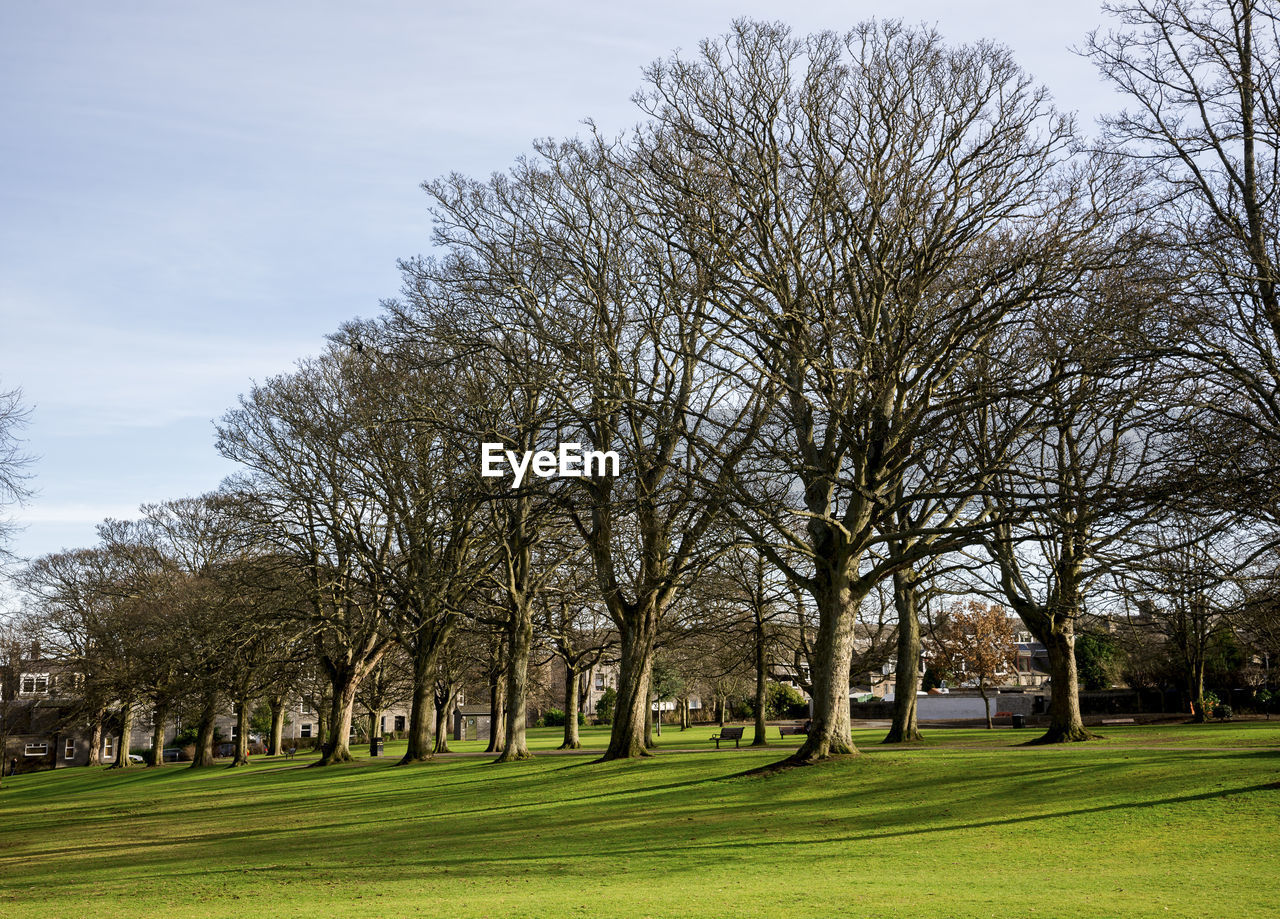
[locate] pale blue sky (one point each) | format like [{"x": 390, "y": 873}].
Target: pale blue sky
[{"x": 193, "y": 196}]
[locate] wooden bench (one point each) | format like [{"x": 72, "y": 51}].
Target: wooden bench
[
  {"x": 1117, "y": 721},
  {"x": 791, "y": 730},
  {"x": 734, "y": 734}
]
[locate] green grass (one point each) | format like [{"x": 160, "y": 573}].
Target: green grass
[{"x": 1168, "y": 821}]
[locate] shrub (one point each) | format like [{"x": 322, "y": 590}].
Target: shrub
[
  {"x": 1264, "y": 698},
  {"x": 605, "y": 705},
  {"x": 933, "y": 678},
  {"x": 1211, "y": 701},
  {"x": 1222, "y": 711},
  {"x": 554, "y": 718}
]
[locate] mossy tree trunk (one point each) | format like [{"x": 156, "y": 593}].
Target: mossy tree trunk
[
  {"x": 571, "y": 680},
  {"x": 241, "y": 757},
  {"x": 630, "y": 734},
  {"x": 204, "y": 732},
  {"x": 830, "y": 733},
  {"x": 519, "y": 643},
  {"x": 158, "y": 717},
  {"x": 422, "y": 708},
  {"x": 126, "y": 731},
  {"x": 443, "y": 711},
  {"x": 906, "y": 681},
  {"x": 337, "y": 746},
  {"x": 497, "y": 693},
  {"x": 1065, "y": 723}
]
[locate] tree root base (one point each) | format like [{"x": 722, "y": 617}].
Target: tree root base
[
  {"x": 408, "y": 760},
  {"x": 513, "y": 756},
  {"x": 1059, "y": 735},
  {"x": 903, "y": 737}
]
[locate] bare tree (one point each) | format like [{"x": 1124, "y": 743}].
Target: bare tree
[
  {"x": 595, "y": 272},
  {"x": 302, "y": 436},
  {"x": 1186, "y": 576},
  {"x": 890, "y": 202},
  {"x": 1097, "y": 464},
  {"x": 14, "y": 461},
  {"x": 1202, "y": 78}
]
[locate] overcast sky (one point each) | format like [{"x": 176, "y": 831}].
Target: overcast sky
[{"x": 193, "y": 195}]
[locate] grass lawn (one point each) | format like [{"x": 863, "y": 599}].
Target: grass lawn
[{"x": 1159, "y": 821}]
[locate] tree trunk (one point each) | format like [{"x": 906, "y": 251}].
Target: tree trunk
[
  {"x": 322, "y": 718},
  {"x": 684, "y": 713},
  {"x": 1065, "y": 724},
  {"x": 1195, "y": 688},
  {"x": 762, "y": 681},
  {"x": 830, "y": 733},
  {"x": 497, "y": 692},
  {"x": 443, "y": 717},
  {"x": 982, "y": 691},
  {"x": 422, "y": 709},
  {"x": 337, "y": 747},
  {"x": 158, "y": 716},
  {"x": 571, "y": 680},
  {"x": 629, "y": 735},
  {"x": 95, "y": 740},
  {"x": 277, "y": 726},
  {"x": 906, "y": 681},
  {"x": 242, "y": 733},
  {"x": 126, "y": 729},
  {"x": 519, "y": 642},
  {"x": 720, "y": 710},
  {"x": 204, "y": 733}
]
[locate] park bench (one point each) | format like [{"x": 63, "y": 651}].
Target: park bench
[
  {"x": 289, "y": 751},
  {"x": 734, "y": 734},
  {"x": 792, "y": 730},
  {"x": 1117, "y": 721}
]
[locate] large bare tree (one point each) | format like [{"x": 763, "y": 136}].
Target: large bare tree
[
  {"x": 1202, "y": 82},
  {"x": 302, "y": 436},
  {"x": 888, "y": 203},
  {"x": 601, "y": 280}
]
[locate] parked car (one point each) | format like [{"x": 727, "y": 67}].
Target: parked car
[{"x": 135, "y": 758}]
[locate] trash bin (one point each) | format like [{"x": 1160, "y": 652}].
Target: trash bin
[
  {"x": 375, "y": 747},
  {"x": 1019, "y": 721}
]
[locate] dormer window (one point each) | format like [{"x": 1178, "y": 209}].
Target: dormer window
[{"x": 35, "y": 684}]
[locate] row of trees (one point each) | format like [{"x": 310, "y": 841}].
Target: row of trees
[{"x": 863, "y": 317}]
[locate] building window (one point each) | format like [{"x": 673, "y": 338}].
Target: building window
[
  {"x": 36, "y": 749},
  {"x": 36, "y": 684},
  {"x": 599, "y": 681},
  {"x": 306, "y": 730},
  {"x": 69, "y": 751},
  {"x": 109, "y": 748},
  {"x": 399, "y": 722},
  {"x": 306, "y": 707}
]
